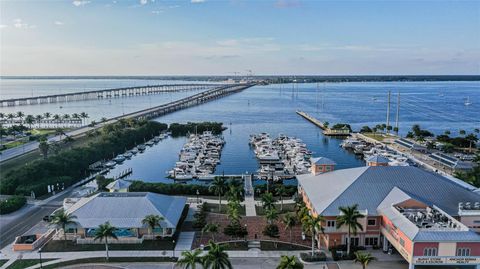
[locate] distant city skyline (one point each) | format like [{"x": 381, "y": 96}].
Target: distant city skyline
[{"x": 206, "y": 37}]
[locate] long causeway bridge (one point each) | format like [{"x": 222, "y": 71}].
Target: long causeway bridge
[
  {"x": 105, "y": 93},
  {"x": 216, "y": 92}
]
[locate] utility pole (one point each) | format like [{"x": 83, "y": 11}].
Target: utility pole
[
  {"x": 398, "y": 112},
  {"x": 388, "y": 112}
]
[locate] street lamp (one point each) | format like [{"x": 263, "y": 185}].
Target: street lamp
[
  {"x": 40, "y": 253},
  {"x": 198, "y": 193},
  {"x": 173, "y": 241}
]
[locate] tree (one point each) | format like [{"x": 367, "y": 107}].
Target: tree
[
  {"x": 62, "y": 219},
  {"x": 211, "y": 228},
  {"x": 289, "y": 221},
  {"x": 365, "y": 129},
  {"x": 30, "y": 119},
  {"x": 363, "y": 258},
  {"x": 38, "y": 120},
  {"x": 271, "y": 215},
  {"x": 268, "y": 200},
  {"x": 289, "y": 262},
  {"x": 395, "y": 129},
  {"x": 103, "y": 232},
  {"x": 233, "y": 210},
  {"x": 190, "y": 259},
  {"x": 462, "y": 132},
  {"x": 56, "y": 118},
  {"x": 349, "y": 217},
  {"x": 20, "y": 115},
  {"x": 216, "y": 257},
  {"x": 219, "y": 187},
  {"x": 59, "y": 132},
  {"x": 152, "y": 221},
  {"x": 313, "y": 224},
  {"x": 84, "y": 116},
  {"x": 325, "y": 124},
  {"x": 281, "y": 191},
  {"x": 447, "y": 132},
  {"x": 43, "y": 147}
]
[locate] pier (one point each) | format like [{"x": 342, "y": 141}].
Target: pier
[
  {"x": 104, "y": 94},
  {"x": 326, "y": 131}
]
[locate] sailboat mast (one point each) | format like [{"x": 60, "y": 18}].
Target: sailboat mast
[
  {"x": 398, "y": 112},
  {"x": 388, "y": 112}
]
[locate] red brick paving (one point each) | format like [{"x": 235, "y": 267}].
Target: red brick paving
[{"x": 255, "y": 225}]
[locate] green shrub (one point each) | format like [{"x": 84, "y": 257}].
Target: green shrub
[
  {"x": 172, "y": 189},
  {"x": 317, "y": 256},
  {"x": 12, "y": 204},
  {"x": 179, "y": 129},
  {"x": 271, "y": 230}
]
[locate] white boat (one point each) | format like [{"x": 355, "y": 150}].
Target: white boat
[
  {"x": 150, "y": 143},
  {"x": 128, "y": 154},
  {"x": 119, "y": 159},
  {"x": 467, "y": 101},
  {"x": 134, "y": 150},
  {"x": 110, "y": 164},
  {"x": 141, "y": 147}
]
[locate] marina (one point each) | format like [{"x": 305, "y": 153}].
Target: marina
[
  {"x": 198, "y": 157},
  {"x": 280, "y": 158}
]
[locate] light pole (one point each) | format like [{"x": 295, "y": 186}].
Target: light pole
[
  {"x": 40, "y": 253},
  {"x": 198, "y": 193},
  {"x": 173, "y": 241}
]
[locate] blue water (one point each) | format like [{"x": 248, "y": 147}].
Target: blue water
[{"x": 434, "y": 105}]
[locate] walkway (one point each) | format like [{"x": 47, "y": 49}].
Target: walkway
[
  {"x": 184, "y": 242},
  {"x": 250, "y": 210}
]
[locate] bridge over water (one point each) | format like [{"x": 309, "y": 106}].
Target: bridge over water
[{"x": 105, "y": 93}]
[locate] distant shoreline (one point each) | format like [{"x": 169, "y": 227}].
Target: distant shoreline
[{"x": 277, "y": 79}]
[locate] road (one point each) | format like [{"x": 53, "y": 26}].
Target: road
[{"x": 17, "y": 223}]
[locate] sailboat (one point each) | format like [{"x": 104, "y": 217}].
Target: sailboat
[{"x": 467, "y": 102}]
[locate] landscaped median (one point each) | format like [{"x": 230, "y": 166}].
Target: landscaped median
[{"x": 12, "y": 204}]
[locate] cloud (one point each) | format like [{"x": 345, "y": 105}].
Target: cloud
[
  {"x": 143, "y": 2},
  {"x": 59, "y": 23},
  {"x": 3, "y": 26},
  {"x": 197, "y": 1},
  {"x": 156, "y": 12},
  {"x": 79, "y": 3},
  {"x": 20, "y": 24}
]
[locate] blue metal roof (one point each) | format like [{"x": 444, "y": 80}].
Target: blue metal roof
[
  {"x": 439, "y": 236},
  {"x": 322, "y": 161},
  {"x": 369, "y": 189}
]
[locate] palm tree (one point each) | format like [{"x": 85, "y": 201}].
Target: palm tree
[
  {"x": 219, "y": 187},
  {"x": 190, "y": 259},
  {"x": 313, "y": 224},
  {"x": 462, "y": 132},
  {"x": 349, "y": 217},
  {"x": 268, "y": 200},
  {"x": 289, "y": 221},
  {"x": 152, "y": 221},
  {"x": 103, "y": 232},
  {"x": 38, "y": 119},
  {"x": 281, "y": 191},
  {"x": 44, "y": 147},
  {"x": 2, "y": 116},
  {"x": 271, "y": 215},
  {"x": 289, "y": 262},
  {"x": 62, "y": 219},
  {"x": 56, "y": 117},
  {"x": 210, "y": 228},
  {"x": 363, "y": 258},
  {"x": 233, "y": 208},
  {"x": 216, "y": 258},
  {"x": 84, "y": 116},
  {"x": 20, "y": 115},
  {"x": 30, "y": 119}
]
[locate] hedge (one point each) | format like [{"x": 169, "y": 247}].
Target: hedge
[
  {"x": 172, "y": 189},
  {"x": 12, "y": 204}
]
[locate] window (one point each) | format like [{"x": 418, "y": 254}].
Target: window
[
  {"x": 331, "y": 223},
  {"x": 327, "y": 168},
  {"x": 463, "y": 252},
  {"x": 371, "y": 241},
  {"x": 372, "y": 222},
  {"x": 402, "y": 242},
  {"x": 430, "y": 252}
]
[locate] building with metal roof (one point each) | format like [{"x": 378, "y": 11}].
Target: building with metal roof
[
  {"x": 125, "y": 211},
  {"x": 406, "y": 208},
  {"x": 377, "y": 160},
  {"x": 119, "y": 185}
]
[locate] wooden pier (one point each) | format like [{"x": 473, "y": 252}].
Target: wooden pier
[
  {"x": 104, "y": 94},
  {"x": 311, "y": 119}
]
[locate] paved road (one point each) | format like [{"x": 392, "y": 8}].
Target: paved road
[{"x": 17, "y": 223}]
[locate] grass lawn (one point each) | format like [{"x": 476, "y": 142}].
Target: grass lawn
[
  {"x": 2, "y": 262},
  {"x": 45, "y": 131},
  {"x": 112, "y": 260},
  {"x": 20, "y": 264},
  {"x": 377, "y": 136},
  {"x": 61, "y": 246},
  {"x": 214, "y": 208},
  {"x": 13, "y": 144},
  {"x": 286, "y": 209}
]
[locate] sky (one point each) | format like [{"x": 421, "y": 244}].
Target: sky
[{"x": 208, "y": 37}]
